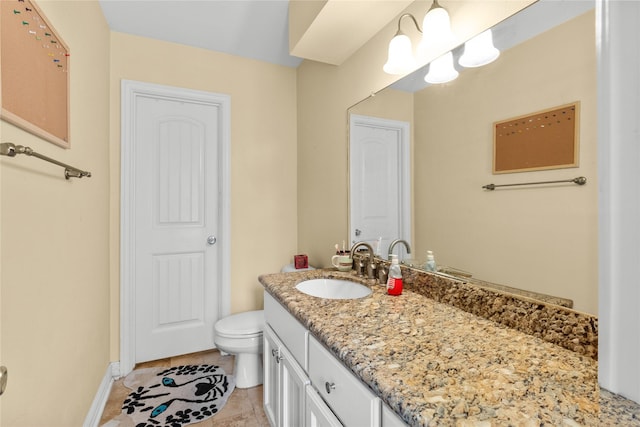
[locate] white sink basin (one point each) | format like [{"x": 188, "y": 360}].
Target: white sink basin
[{"x": 333, "y": 289}]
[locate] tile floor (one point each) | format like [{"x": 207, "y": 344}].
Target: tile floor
[{"x": 243, "y": 408}]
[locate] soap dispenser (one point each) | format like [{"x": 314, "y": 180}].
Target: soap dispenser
[
  {"x": 430, "y": 265},
  {"x": 394, "y": 282}
]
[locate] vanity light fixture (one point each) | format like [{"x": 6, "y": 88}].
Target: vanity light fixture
[
  {"x": 479, "y": 51},
  {"x": 400, "y": 60},
  {"x": 441, "y": 70},
  {"x": 436, "y": 27},
  {"x": 437, "y": 30}
]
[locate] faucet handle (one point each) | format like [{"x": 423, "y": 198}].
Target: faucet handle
[
  {"x": 383, "y": 273},
  {"x": 358, "y": 264},
  {"x": 372, "y": 267}
]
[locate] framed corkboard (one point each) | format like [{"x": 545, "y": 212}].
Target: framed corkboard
[
  {"x": 546, "y": 139},
  {"x": 34, "y": 69}
]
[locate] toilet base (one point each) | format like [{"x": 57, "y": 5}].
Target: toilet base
[{"x": 248, "y": 370}]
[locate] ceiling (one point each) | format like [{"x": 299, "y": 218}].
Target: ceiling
[
  {"x": 259, "y": 29},
  {"x": 256, "y": 29},
  {"x": 328, "y": 31}
]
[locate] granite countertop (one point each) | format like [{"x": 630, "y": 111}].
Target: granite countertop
[{"x": 435, "y": 364}]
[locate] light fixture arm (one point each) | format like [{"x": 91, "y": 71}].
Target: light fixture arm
[
  {"x": 413, "y": 18},
  {"x": 435, "y": 5},
  {"x": 401, "y": 59}
]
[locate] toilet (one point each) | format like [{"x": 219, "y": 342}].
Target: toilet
[
  {"x": 289, "y": 268},
  {"x": 241, "y": 335}
]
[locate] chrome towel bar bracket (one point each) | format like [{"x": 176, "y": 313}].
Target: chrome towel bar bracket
[
  {"x": 581, "y": 180},
  {"x": 10, "y": 149}
]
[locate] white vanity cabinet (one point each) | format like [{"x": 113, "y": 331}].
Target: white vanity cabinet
[
  {"x": 285, "y": 356},
  {"x": 284, "y": 384},
  {"x": 304, "y": 384}
]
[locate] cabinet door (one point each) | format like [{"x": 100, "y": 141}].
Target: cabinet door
[
  {"x": 317, "y": 413},
  {"x": 271, "y": 385},
  {"x": 293, "y": 381}
]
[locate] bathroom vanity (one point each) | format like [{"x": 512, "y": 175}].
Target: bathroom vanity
[
  {"x": 301, "y": 375},
  {"x": 427, "y": 356}
]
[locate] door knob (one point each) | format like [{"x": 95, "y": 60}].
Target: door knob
[{"x": 211, "y": 240}]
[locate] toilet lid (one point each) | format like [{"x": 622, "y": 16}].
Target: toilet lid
[
  {"x": 247, "y": 323},
  {"x": 291, "y": 268}
]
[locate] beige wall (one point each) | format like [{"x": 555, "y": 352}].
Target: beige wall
[
  {"x": 325, "y": 93},
  {"x": 55, "y": 237},
  {"x": 263, "y": 154},
  {"x": 536, "y": 238}
]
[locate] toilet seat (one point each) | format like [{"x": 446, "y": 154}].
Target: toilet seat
[{"x": 242, "y": 325}]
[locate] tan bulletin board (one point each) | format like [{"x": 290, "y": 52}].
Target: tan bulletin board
[
  {"x": 543, "y": 140},
  {"x": 34, "y": 66}
]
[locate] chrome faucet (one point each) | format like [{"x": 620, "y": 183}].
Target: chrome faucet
[
  {"x": 371, "y": 268},
  {"x": 395, "y": 242}
]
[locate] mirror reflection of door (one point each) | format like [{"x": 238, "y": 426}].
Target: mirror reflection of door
[{"x": 379, "y": 188}]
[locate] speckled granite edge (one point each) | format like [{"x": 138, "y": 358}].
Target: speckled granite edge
[
  {"x": 549, "y": 299},
  {"x": 616, "y": 410},
  {"x": 467, "y": 278},
  {"x": 558, "y": 325}
]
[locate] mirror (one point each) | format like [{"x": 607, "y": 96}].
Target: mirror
[{"x": 537, "y": 238}]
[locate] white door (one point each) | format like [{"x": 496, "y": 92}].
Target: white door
[
  {"x": 379, "y": 190},
  {"x": 176, "y": 223}
]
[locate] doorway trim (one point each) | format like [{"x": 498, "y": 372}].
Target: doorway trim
[
  {"x": 130, "y": 91},
  {"x": 404, "y": 129}
]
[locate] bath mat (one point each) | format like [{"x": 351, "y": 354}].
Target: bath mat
[{"x": 173, "y": 397}]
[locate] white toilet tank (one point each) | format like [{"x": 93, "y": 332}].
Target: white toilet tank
[{"x": 291, "y": 267}]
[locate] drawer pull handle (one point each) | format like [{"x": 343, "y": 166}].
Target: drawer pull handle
[
  {"x": 329, "y": 386},
  {"x": 275, "y": 353}
]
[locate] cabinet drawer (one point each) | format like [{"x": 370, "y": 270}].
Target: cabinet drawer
[
  {"x": 287, "y": 328},
  {"x": 350, "y": 400}
]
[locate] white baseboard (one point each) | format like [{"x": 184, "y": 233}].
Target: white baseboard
[{"x": 102, "y": 395}]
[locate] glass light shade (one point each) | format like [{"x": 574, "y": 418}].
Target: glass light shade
[
  {"x": 441, "y": 70},
  {"x": 436, "y": 29},
  {"x": 479, "y": 51},
  {"x": 400, "y": 59}
]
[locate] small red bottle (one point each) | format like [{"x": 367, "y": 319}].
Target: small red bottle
[{"x": 394, "y": 283}]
